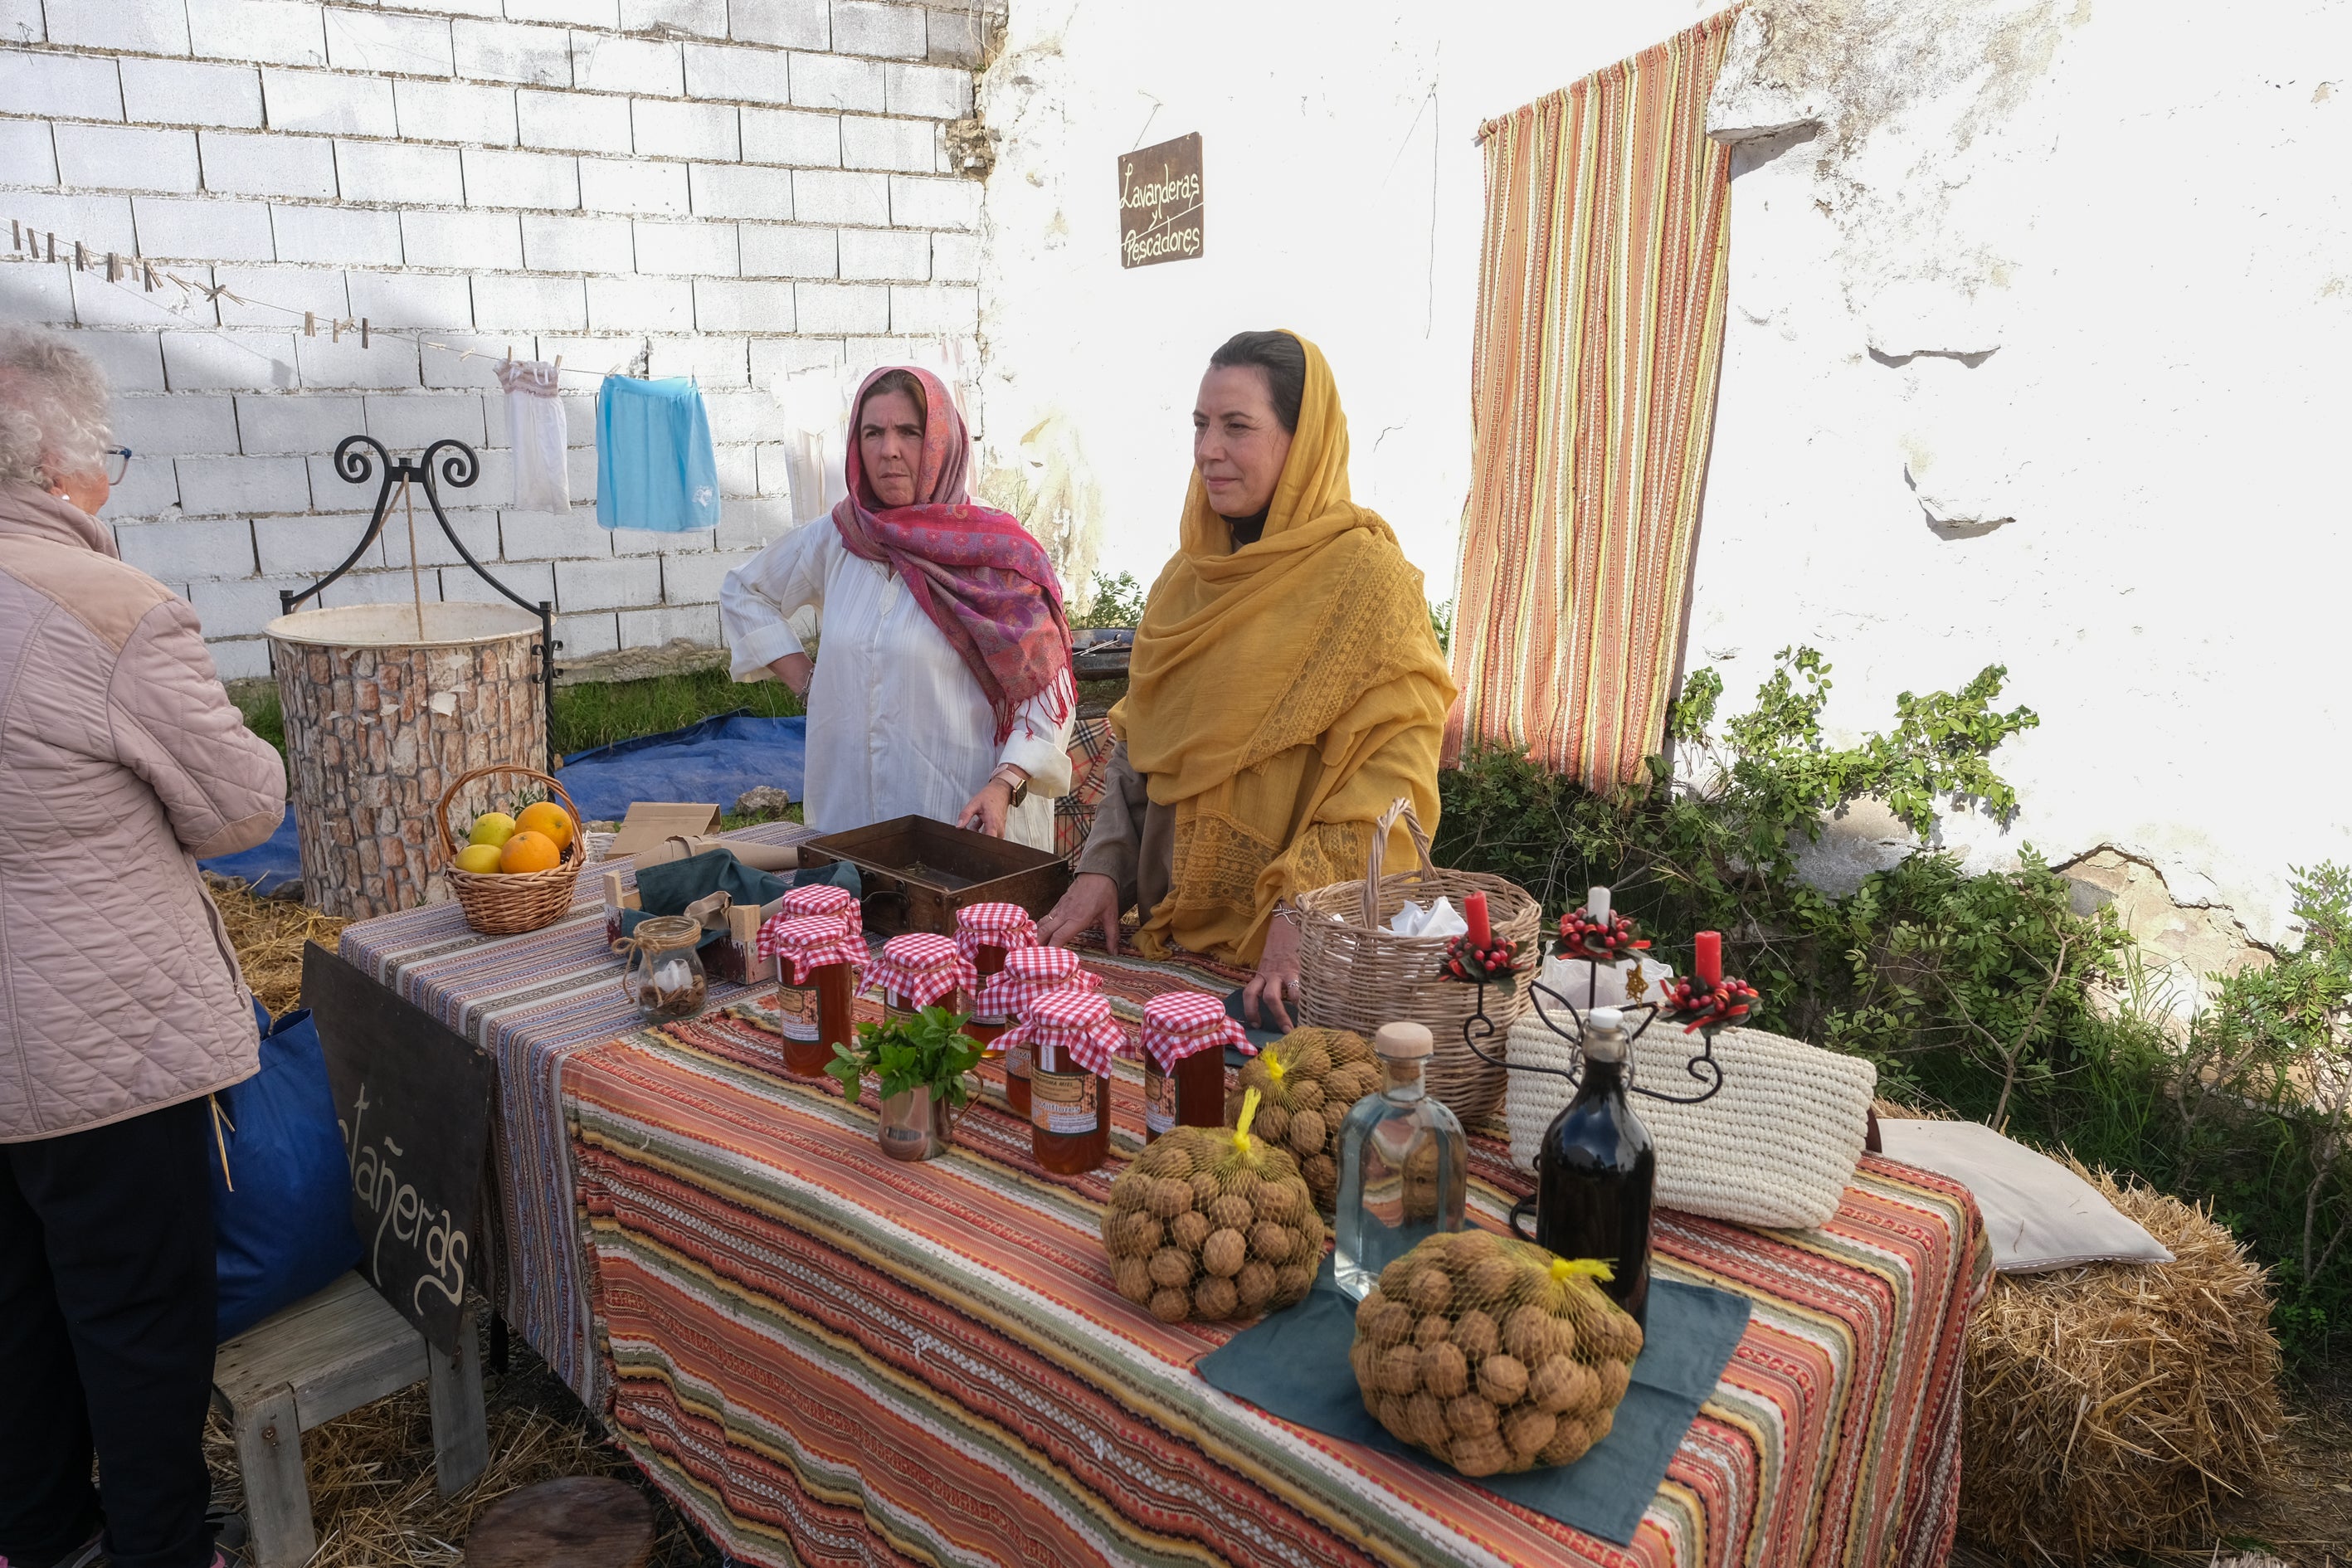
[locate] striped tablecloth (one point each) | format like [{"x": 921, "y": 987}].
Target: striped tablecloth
[
  {"x": 825, "y": 1355},
  {"x": 530, "y": 1001}
]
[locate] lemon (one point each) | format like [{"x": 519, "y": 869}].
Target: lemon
[
  {"x": 548, "y": 818},
  {"x": 529, "y": 852},
  {"x": 478, "y": 858},
  {"x": 493, "y": 829}
]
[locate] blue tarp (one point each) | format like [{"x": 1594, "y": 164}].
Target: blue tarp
[{"x": 716, "y": 759}]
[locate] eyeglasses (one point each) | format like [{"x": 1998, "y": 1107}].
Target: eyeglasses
[{"x": 118, "y": 463}]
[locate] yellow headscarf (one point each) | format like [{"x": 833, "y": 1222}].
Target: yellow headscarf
[{"x": 1282, "y": 695}]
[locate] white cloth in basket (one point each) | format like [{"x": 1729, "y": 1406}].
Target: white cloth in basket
[{"x": 1776, "y": 1148}]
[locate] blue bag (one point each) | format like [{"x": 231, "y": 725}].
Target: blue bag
[{"x": 281, "y": 1181}]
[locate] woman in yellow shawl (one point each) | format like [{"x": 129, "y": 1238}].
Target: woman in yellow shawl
[{"x": 1285, "y": 688}]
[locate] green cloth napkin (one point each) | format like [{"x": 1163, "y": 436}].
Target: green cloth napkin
[
  {"x": 669, "y": 888},
  {"x": 1294, "y": 1365}
]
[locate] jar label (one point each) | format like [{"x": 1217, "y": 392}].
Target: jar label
[
  {"x": 796, "y": 1014},
  {"x": 1062, "y": 1101},
  {"x": 1017, "y": 1062},
  {"x": 1158, "y": 1099}
]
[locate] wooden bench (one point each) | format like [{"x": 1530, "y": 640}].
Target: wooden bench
[{"x": 322, "y": 1358}]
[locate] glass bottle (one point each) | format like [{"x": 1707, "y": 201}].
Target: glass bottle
[
  {"x": 1404, "y": 1165},
  {"x": 1597, "y": 1168}
]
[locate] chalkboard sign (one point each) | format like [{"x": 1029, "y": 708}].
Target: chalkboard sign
[
  {"x": 1160, "y": 203},
  {"x": 413, "y": 1097}
]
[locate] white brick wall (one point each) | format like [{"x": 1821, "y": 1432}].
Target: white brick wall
[{"x": 741, "y": 191}]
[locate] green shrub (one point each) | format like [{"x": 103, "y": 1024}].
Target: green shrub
[{"x": 1986, "y": 993}]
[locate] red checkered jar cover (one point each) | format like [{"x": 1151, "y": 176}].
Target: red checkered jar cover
[
  {"x": 921, "y": 967},
  {"x": 1184, "y": 1023},
  {"x": 1077, "y": 1023},
  {"x": 1007, "y": 926},
  {"x": 810, "y": 942},
  {"x": 823, "y": 899},
  {"x": 1030, "y": 971}
]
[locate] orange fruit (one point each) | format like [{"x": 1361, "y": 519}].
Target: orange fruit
[
  {"x": 548, "y": 818},
  {"x": 528, "y": 851}
]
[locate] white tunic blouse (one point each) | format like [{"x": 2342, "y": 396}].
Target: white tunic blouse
[{"x": 896, "y": 725}]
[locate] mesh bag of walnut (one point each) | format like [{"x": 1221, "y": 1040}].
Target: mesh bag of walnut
[
  {"x": 1213, "y": 1222},
  {"x": 1492, "y": 1355},
  {"x": 1307, "y": 1080}
]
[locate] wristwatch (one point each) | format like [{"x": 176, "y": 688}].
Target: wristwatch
[{"x": 1016, "y": 776}]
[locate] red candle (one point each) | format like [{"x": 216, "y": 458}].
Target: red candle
[
  {"x": 1474, "y": 911},
  {"x": 1710, "y": 956}
]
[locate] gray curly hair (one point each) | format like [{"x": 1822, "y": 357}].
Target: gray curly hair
[{"x": 53, "y": 416}]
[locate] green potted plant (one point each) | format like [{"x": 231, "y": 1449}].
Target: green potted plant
[{"x": 920, "y": 1061}]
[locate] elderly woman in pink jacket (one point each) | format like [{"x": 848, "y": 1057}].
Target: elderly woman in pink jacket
[{"x": 122, "y": 1007}]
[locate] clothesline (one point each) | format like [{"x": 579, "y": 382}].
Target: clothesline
[{"x": 119, "y": 271}]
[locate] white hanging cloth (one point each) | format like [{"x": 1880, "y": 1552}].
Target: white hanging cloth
[{"x": 535, "y": 433}]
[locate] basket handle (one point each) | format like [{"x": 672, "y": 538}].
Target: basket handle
[
  {"x": 1400, "y": 806},
  {"x": 441, "y": 811}
]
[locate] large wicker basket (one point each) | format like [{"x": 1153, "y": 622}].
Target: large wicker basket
[
  {"x": 508, "y": 904},
  {"x": 1353, "y": 974}
]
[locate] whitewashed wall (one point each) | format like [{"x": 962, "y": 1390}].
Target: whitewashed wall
[
  {"x": 2040, "y": 321},
  {"x": 1343, "y": 197},
  {"x": 756, "y": 193},
  {"x": 2081, "y": 267}
]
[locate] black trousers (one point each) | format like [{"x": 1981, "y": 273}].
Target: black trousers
[{"x": 106, "y": 1339}]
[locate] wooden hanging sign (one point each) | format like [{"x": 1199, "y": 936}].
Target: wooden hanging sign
[{"x": 1160, "y": 204}]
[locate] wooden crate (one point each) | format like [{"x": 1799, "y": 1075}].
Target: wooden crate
[{"x": 918, "y": 872}]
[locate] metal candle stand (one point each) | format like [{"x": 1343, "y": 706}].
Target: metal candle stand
[
  {"x": 459, "y": 468},
  {"x": 1703, "y": 1068}
]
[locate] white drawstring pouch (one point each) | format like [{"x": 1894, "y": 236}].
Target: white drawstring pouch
[
  {"x": 1774, "y": 1148},
  {"x": 535, "y": 433}
]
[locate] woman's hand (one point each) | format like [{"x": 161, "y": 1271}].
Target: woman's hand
[
  {"x": 1092, "y": 902},
  {"x": 795, "y": 670},
  {"x": 1275, "y": 984},
  {"x": 986, "y": 811}
]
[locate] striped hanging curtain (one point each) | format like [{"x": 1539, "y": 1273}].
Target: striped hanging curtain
[{"x": 1599, "y": 331}]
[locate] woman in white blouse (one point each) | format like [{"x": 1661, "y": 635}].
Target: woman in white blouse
[{"x": 945, "y": 689}]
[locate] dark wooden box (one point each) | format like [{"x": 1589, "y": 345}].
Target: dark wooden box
[{"x": 918, "y": 872}]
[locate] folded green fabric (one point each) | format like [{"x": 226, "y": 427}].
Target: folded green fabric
[
  {"x": 1294, "y": 1365},
  {"x": 667, "y": 888}
]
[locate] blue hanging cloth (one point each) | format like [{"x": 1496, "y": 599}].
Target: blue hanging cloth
[{"x": 655, "y": 466}]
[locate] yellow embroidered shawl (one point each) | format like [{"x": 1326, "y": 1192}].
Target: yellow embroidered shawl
[{"x": 1281, "y": 695}]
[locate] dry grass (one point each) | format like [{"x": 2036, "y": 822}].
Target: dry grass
[
  {"x": 372, "y": 1499},
  {"x": 2116, "y": 1407},
  {"x": 268, "y": 935}
]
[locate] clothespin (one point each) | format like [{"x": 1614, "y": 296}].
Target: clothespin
[
  {"x": 15, "y": 235},
  {"x": 113, "y": 268},
  {"x": 309, "y": 324},
  {"x": 364, "y": 332},
  {"x": 558, "y": 364},
  {"x": 147, "y": 270},
  {"x": 53, "y": 247},
  {"x": 81, "y": 257},
  {"x": 339, "y": 329}
]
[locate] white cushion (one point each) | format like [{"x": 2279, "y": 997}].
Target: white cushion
[{"x": 2037, "y": 1214}]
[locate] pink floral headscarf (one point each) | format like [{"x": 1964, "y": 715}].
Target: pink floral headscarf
[{"x": 974, "y": 571}]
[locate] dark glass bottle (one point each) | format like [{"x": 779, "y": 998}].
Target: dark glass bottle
[{"x": 1597, "y": 1168}]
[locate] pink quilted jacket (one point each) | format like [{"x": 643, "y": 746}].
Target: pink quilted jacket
[{"x": 122, "y": 760}]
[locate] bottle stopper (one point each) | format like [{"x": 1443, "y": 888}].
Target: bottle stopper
[{"x": 1404, "y": 1042}]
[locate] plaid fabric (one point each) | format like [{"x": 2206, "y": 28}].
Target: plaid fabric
[
  {"x": 1091, "y": 745},
  {"x": 1185, "y": 1023},
  {"x": 1598, "y": 337},
  {"x": 823, "y": 899},
  {"x": 922, "y": 966},
  {"x": 1030, "y": 972},
  {"x": 810, "y": 942},
  {"x": 1077, "y": 1023},
  {"x": 993, "y": 925}
]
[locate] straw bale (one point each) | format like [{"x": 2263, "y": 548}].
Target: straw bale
[
  {"x": 2112, "y": 1406},
  {"x": 268, "y": 935}
]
